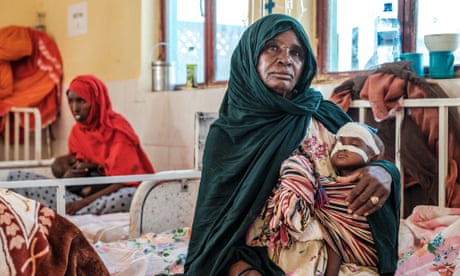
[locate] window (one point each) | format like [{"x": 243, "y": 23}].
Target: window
[
  {"x": 346, "y": 30},
  {"x": 204, "y": 33}
]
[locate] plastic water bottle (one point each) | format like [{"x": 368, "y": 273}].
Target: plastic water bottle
[
  {"x": 191, "y": 68},
  {"x": 388, "y": 35}
]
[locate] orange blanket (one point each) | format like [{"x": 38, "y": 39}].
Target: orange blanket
[
  {"x": 384, "y": 88},
  {"x": 30, "y": 72}
]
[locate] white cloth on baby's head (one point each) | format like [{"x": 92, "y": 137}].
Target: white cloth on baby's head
[
  {"x": 361, "y": 131},
  {"x": 339, "y": 146}
]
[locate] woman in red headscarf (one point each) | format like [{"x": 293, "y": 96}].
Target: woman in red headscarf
[{"x": 103, "y": 142}]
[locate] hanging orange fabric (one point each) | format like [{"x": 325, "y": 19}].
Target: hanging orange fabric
[
  {"x": 31, "y": 72},
  {"x": 6, "y": 79},
  {"x": 15, "y": 43}
]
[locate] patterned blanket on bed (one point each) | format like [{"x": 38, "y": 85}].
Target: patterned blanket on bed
[
  {"x": 150, "y": 254},
  {"x": 429, "y": 242},
  {"x": 429, "y": 245},
  {"x": 34, "y": 240}
]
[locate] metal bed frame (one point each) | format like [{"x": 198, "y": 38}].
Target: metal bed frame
[{"x": 442, "y": 104}]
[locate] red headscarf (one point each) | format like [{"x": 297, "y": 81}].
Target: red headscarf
[{"x": 106, "y": 138}]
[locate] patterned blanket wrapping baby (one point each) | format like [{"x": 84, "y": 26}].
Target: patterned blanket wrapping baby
[{"x": 34, "y": 240}]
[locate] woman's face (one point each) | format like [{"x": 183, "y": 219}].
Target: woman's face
[
  {"x": 281, "y": 63},
  {"x": 78, "y": 106}
]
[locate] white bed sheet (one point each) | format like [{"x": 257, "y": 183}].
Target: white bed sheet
[{"x": 103, "y": 228}]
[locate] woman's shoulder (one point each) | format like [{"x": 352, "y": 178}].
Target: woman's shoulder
[{"x": 119, "y": 136}]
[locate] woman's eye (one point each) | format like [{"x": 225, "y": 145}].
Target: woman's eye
[
  {"x": 273, "y": 48},
  {"x": 295, "y": 53}
]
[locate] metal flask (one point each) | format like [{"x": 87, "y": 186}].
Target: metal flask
[{"x": 162, "y": 74}]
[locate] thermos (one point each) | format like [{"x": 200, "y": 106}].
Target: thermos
[{"x": 162, "y": 73}]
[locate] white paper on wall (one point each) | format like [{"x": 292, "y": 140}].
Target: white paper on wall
[{"x": 77, "y": 19}]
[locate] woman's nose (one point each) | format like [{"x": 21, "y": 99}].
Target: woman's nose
[
  {"x": 74, "y": 107},
  {"x": 284, "y": 56}
]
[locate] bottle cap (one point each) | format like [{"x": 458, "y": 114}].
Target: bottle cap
[{"x": 387, "y": 7}]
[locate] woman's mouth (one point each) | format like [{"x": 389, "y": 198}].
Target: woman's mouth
[
  {"x": 77, "y": 117},
  {"x": 282, "y": 75}
]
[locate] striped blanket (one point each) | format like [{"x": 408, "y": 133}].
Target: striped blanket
[{"x": 295, "y": 201}]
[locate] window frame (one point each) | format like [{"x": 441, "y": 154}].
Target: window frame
[
  {"x": 209, "y": 41},
  {"x": 407, "y": 18},
  {"x": 407, "y": 13}
]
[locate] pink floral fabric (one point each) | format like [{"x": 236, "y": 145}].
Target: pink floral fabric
[{"x": 429, "y": 242}]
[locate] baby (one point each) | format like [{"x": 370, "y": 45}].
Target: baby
[
  {"x": 307, "y": 206},
  {"x": 356, "y": 146},
  {"x": 67, "y": 166}
]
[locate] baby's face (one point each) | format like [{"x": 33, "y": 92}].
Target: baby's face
[{"x": 350, "y": 155}]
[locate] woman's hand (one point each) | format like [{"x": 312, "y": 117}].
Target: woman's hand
[
  {"x": 80, "y": 169},
  {"x": 84, "y": 166},
  {"x": 373, "y": 187},
  {"x": 72, "y": 207}
]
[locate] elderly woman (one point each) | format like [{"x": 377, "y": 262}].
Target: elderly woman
[{"x": 268, "y": 111}]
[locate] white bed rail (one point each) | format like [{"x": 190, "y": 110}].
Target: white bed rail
[
  {"x": 62, "y": 183},
  {"x": 20, "y": 153},
  {"x": 442, "y": 104},
  {"x": 159, "y": 205},
  {"x": 204, "y": 119}
]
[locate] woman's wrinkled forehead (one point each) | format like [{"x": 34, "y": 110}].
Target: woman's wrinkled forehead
[
  {"x": 276, "y": 39},
  {"x": 260, "y": 43}
]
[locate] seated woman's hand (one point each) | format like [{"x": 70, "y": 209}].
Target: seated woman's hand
[
  {"x": 72, "y": 207},
  {"x": 371, "y": 191},
  {"x": 81, "y": 169},
  {"x": 85, "y": 166}
]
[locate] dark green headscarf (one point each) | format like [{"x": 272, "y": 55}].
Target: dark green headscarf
[{"x": 256, "y": 130}]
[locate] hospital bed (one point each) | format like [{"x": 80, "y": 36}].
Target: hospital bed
[
  {"x": 25, "y": 142},
  {"x": 163, "y": 206}
]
